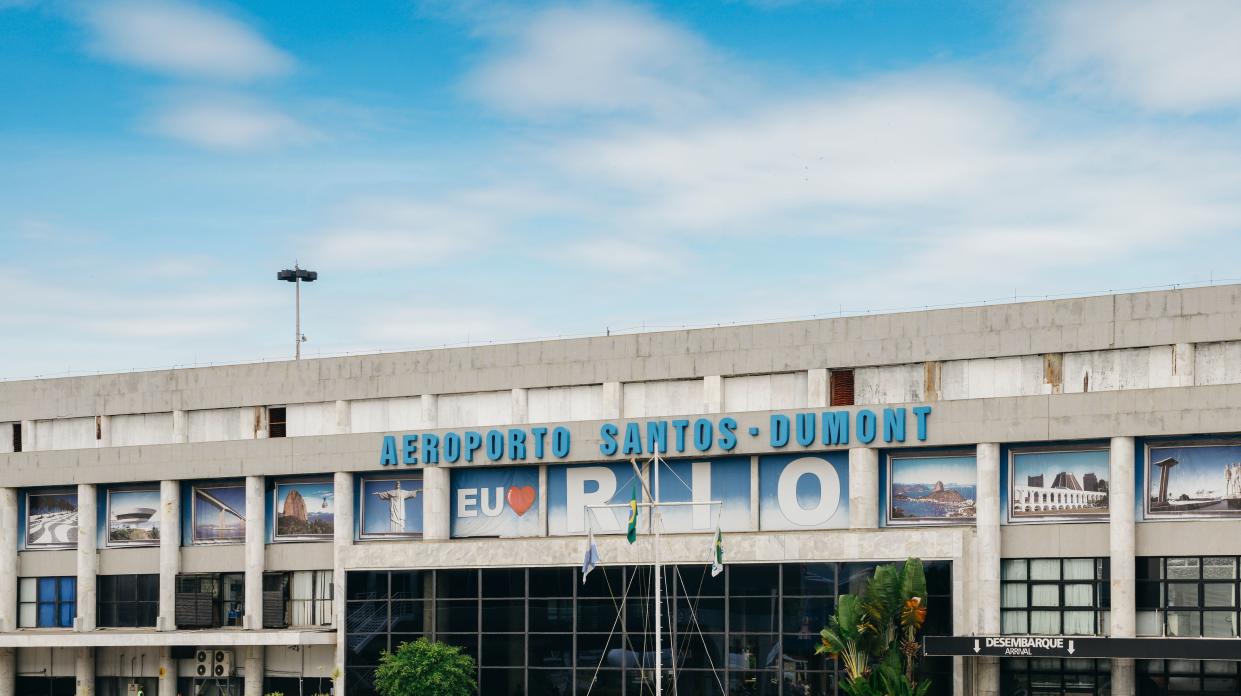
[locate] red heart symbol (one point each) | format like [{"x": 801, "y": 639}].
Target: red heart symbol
[{"x": 520, "y": 499}]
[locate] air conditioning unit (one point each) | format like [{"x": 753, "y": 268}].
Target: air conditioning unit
[
  {"x": 222, "y": 664},
  {"x": 202, "y": 663}
]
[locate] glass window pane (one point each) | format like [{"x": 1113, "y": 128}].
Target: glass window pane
[
  {"x": 703, "y": 615},
  {"x": 1045, "y": 622},
  {"x": 408, "y": 615},
  {"x": 552, "y": 582},
  {"x": 1014, "y": 595},
  {"x": 1013, "y": 569},
  {"x": 1079, "y": 569},
  {"x": 1014, "y": 622},
  {"x": 1079, "y": 623},
  {"x": 456, "y": 616},
  {"x": 68, "y": 589},
  {"x": 752, "y": 580},
  {"x": 1219, "y": 624},
  {"x": 504, "y": 582},
  {"x": 1184, "y": 623},
  {"x": 1219, "y": 594},
  {"x": 47, "y": 615},
  {"x": 1078, "y": 595},
  {"x": 456, "y": 583},
  {"x": 1183, "y": 568},
  {"x": 1150, "y": 623},
  {"x": 551, "y": 650},
  {"x": 504, "y": 651},
  {"x": 28, "y": 590},
  {"x": 1045, "y": 569},
  {"x": 1183, "y": 594},
  {"x": 808, "y": 579},
  {"x": 504, "y": 615},
  {"x": 47, "y": 589},
  {"x": 551, "y": 615},
  {"x": 1219, "y": 568},
  {"x": 803, "y": 614},
  {"x": 1045, "y": 595}
]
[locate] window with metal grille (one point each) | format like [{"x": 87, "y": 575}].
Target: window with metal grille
[
  {"x": 842, "y": 387},
  {"x": 276, "y": 421},
  {"x": 1188, "y": 596},
  {"x": 47, "y": 602},
  {"x": 210, "y": 600}
]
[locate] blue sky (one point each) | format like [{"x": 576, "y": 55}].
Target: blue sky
[{"x": 461, "y": 171}]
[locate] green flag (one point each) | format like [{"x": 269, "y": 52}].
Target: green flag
[
  {"x": 717, "y": 554},
  {"x": 632, "y": 536}
]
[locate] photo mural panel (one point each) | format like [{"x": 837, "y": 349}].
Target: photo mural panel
[
  {"x": 572, "y": 489},
  {"x": 932, "y": 489},
  {"x": 391, "y": 506},
  {"x": 1189, "y": 481},
  {"x": 133, "y": 517},
  {"x": 52, "y": 519},
  {"x": 496, "y": 502},
  {"x": 804, "y": 491},
  {"x": 219, "y": 514},
  {"x": 305, "y": 510},
  {"x": 726, "y": 480},
  {"x": 1065, "y": 485}
]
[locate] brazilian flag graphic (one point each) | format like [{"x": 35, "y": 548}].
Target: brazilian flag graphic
[{"x": 632, "y": 536}]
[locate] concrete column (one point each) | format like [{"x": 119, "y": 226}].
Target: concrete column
[
  {"x": 169, "y": 552},
  {"x": 543, "y": 490},
  {"x": 8, "y": 587},
  {"x": 88, "y": 558},
  {"x": 436, "y": 505},
  {"x": 167, "y": 672},
  {"x": 613, "y": 399},
  {"x": 344, "y": 417},
  {"x": 817, "y": 393},
  {"x": 84, "y": 670},
  {"x": 987, "y": 563},
  {"x": 256, "y": 530},
  {"x": 713, "y": 393},
  {"x": 343, "y": 538},
  {"x": 8, "y": 671},
  {"x": 430, "y": 410},
  {"x": 180, "y": 427},
  {"x": 1121, "y": 529},
  {"x": 254, "y": 670},
  {"x": 863, "y": 488},
  {"x": 521, "y": 405}
]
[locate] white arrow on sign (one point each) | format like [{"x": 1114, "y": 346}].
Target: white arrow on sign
[
  {"x": 1071, "y": 650},
  {"x": 976, "y": 648}
]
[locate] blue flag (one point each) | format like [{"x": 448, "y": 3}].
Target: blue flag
[{"x": 592, "y": 558}]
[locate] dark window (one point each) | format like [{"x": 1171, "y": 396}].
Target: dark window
[
  {"x": 1052, "y": 676},
  {"x": 1054, "y": 596},
  {"x": 17, "y": 437},
  {"x": 210, "y": 600},
  {"x": 275, "y": 421},
  {"x": 126, "y": 601},
  {"x": 751, "y": 630},
  {"x": 1186, "y": 677},
  {"x": 842, "y": 387},
  {"x": 47, "y": 602}
]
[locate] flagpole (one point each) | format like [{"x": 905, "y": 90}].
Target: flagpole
[{"x": 659, "y": 635}]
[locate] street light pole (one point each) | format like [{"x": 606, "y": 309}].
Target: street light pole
[{"x": 296, "y": 276}]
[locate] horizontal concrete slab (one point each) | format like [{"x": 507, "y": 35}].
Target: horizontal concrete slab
[{"x": 138, "y": 639}]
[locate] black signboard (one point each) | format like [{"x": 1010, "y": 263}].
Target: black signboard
[{"x": 1087, "y": 647}]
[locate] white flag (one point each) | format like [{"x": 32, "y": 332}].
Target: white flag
[
  {"x": 592, "y": 557},
  {"x": 717, "y": 554}
]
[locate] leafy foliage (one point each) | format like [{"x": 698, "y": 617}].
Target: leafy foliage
[
  {"x": 423, "y": 668},
  {"x": 875, "y": 634}
]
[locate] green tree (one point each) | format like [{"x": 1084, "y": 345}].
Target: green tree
[
  {"x": 423, "y": 668},
  {"x": 874, "y": 634}
]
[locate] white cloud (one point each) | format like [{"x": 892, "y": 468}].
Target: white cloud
[
  {"x": 382, "y": 233},
  {"x": 182, "y": 39},
  {"x": 1179, "y": 57},
  {"x": 227, "y": 123},
  {"x": 598, "y": 59},
  {"x": 629, "y": 256}
]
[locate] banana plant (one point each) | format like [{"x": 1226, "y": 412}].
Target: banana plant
[{"x": 874, "y": 632}]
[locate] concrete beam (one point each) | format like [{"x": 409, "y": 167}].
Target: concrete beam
[{"x": 153, "y": 639}]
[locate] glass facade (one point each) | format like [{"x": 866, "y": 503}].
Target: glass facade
[
  {"x": 1054, "y": 677},
  {"x": 752, "y": 630}
]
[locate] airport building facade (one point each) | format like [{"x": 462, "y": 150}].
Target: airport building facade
[{"x": 1070, "y": 471}]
